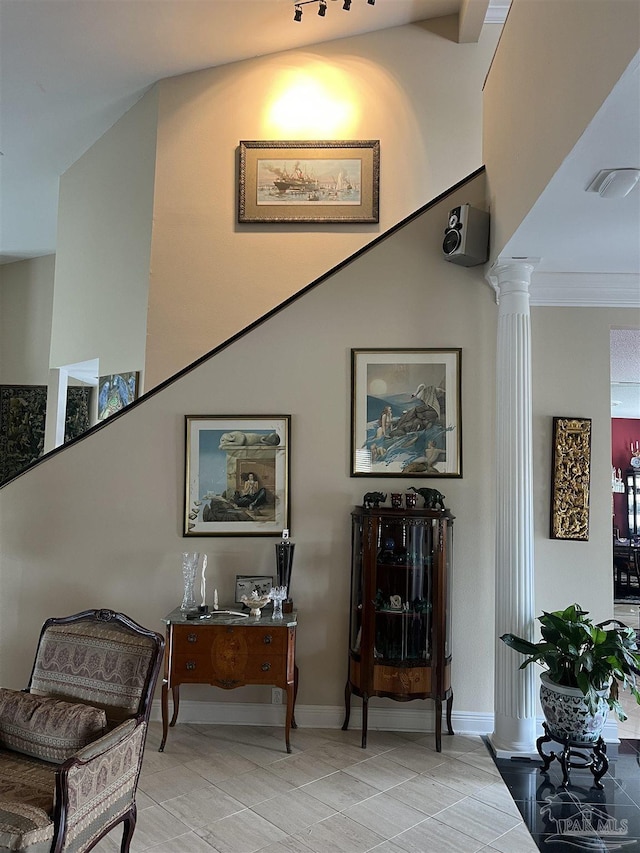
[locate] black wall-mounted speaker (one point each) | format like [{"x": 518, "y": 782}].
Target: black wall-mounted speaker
[{"x": 466, "y": 237}]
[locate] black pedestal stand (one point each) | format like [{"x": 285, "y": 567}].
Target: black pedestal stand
[{"x": 592, "y": 756}]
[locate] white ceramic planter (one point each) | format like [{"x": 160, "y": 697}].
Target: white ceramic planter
[{"x": 566, "y": 712}]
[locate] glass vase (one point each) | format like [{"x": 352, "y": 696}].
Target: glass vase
[
  {"x": 189, "y": 572},
  {"x": 278, "y": 594}
]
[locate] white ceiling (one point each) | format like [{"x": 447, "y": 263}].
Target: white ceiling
[
  {"x": 71, "y": 68},
  {"x": 625, "y": 373},
  {"x": 574, "y": 231}
]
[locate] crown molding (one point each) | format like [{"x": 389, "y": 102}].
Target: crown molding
[{"x": 587, "y": 290}]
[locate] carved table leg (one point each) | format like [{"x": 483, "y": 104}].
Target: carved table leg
[
  {"x": 565, "y": 762},
  {"x": 600, "y": 762},
  {"x": 449, "y": 710},
  {"x": 546, "y": 759},
  {"x": 294, "y": 725},
  {"x": 175, "y": 692},
  {"x": 289, "y": 717},
  {"x": 585, "y": 756},
  {"x": 365, "y": 714},
  {"x": 164, "y": 702},
  {"x": 438, "y": 724},
  {"x": 347, "y": 705}
]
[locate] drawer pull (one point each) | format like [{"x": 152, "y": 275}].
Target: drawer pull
[
  {"x": 191, "y": 665},
  {"x": 266, "y": 666},
  {"x": 267, "y": 639},
  {"x": 192, "y": 638}
]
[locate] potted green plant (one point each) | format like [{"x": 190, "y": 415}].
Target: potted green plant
[{"x": 585, "y": 665}]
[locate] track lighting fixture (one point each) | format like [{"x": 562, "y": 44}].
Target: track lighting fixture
[{"x": 322, "y": 7}]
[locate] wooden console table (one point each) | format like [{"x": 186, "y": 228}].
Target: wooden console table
[{"x": 228, "y": 650}]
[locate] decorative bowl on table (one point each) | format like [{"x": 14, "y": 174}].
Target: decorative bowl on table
[{"x": 255, "y": 603}]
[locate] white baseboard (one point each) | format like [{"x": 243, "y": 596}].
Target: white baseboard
[{"x": 391, "y": 719}]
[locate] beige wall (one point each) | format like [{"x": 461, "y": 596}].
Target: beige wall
[
  {"x": 208, "y": 276},
  {"x": 413, "y": 88},
  {"x": 26, "y": 302},
  {"x": 100, "y": 524},
  {"x": 554, "y": 66},
  {"x": 104, "y": 233},
  {"x": 571, "y": 378}
]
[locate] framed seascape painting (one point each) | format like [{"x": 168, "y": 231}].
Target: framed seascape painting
[
  {"x": 309, "y": 181},
  {"x": 237, "y": 475},
  {"x": 406, "y": 413}
]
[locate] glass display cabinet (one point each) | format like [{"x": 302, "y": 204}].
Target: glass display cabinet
[{"x": 400, "y": 622}]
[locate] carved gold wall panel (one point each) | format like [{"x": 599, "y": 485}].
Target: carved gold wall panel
[{"x": 570, "y": 478}]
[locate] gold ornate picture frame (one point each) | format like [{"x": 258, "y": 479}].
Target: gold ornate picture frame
[
  {"x": 571, "y": 478},
  {"x": 334, "y": 181}
]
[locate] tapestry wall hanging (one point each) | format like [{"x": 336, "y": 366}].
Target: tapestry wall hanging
[{"x": 22, "y": 423}]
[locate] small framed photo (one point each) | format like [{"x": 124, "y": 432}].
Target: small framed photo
[
  {"x": 236, "y": 475},
  {"x": 329, "y": 181},
  {"x": 406, "y": 418},
  {"x": 246, "y": 584}
]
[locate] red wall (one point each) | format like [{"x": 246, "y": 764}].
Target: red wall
[{"x": 623, "y": 432}]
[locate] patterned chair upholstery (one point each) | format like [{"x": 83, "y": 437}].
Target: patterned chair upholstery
[{"x": 71, "y": 744}]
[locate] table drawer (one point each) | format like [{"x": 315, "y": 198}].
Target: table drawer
[
  {"x": 255, "y": 637},
  {"x": 248, "y": 669}
]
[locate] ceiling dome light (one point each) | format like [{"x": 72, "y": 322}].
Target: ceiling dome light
[{"x": 614, "y": 183}]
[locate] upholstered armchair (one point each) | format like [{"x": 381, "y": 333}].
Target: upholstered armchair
[{"x": 71, "y": 744}]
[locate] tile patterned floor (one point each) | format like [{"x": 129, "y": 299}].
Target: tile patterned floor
[{"x": 234, "y": 789}]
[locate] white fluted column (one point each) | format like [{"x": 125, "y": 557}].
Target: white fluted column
[{"x": 515, "y": 702}]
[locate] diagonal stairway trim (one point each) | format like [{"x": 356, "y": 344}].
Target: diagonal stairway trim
[{"x": 254, "y": 324}]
